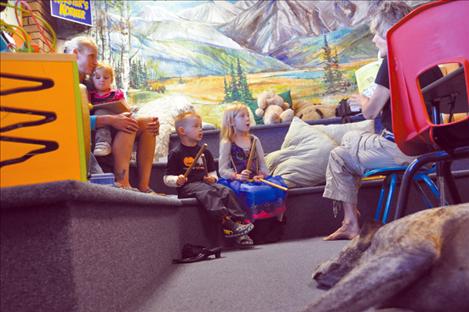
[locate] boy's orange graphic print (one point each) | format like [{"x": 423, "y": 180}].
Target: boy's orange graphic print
[{"x": 188, "y": 161}]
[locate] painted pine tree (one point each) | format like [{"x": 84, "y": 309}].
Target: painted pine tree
[
  {"x": 227, "y": 90},
  {"x": 338, "y": 78},
  {"x": 234, "y": 85},
  {"x": 245, "y": 93},
  {"x": 333, "y": 79},
  {"x": 237, "y": 89}
]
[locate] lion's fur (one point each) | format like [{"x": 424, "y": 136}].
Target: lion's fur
[{"x": 420, "y": 262}]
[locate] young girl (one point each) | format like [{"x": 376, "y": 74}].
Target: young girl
[
  {"x": 260, "y": 200},
  {"x": 144, "y": 131},
  {"x": 102, "y": 79}
]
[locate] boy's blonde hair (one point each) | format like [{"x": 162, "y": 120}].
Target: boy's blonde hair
[
  {"x": 105, "y": 67},
  {"x": 227, "y": 124},
  {"x": 388, "y": 14},
  {"x": 182, "y": 119},
  {"x": 79, "y": 43}
]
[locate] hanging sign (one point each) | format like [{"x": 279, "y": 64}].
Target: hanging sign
[{"x": 77, "y": 11}]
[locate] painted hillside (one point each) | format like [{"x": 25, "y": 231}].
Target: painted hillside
[{"x": 163, "y": 48}]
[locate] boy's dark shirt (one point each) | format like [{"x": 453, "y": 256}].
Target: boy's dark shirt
[
  {"x": 181, "y": 157},
  {"x": 382, "y": 78}
]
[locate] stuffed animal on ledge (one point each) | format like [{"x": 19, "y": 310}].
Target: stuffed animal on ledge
[
  {"x": 273, "y": 109},
  {"x": 306, "y": 110}
]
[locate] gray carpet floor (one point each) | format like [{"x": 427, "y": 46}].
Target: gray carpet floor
[{"x": 273, "y": 277}]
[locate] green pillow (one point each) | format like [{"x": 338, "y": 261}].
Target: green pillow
[{"x": 286, "y": 96}]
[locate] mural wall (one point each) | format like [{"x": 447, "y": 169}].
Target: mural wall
[{"x": 217, "y": 52}]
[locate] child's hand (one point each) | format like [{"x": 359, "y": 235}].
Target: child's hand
[
  {"x": 244, "y": 176},
  {"x": 210, "y": 179},
  {"x": 181, "y": 180},
  {"x": 258, "y": 177}
]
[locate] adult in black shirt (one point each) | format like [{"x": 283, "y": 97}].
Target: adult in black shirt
[
  {"x": 382, "y": 79},
  {"x": 361, "y": 151}
]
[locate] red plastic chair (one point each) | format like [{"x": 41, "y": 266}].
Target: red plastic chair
[{"x": 435, "y": 33}]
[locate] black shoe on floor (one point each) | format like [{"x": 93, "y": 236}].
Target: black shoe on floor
[{"x": 194, "y": 253}]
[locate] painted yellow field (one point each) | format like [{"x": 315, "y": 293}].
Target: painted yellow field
[
  {"x": 207, "y": 93},
  {"x": 210, "y": 89}
]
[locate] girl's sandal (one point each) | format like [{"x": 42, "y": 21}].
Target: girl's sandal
[{"x": 244, "y": 241}]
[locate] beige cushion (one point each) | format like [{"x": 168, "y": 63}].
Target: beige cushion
[{"x": 302, "y": 159}]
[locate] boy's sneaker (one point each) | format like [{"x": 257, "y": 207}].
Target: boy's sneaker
[
  {"x": 102, "y": 149},
  {"x": 234, "y": 229}
]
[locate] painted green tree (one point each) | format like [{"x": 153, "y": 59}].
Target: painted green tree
[
  {"x": 236, "y": 88},
  {"x": 227, "y": 91},
  {"x": 138, "y": 74},
  {"x": 333, "y": 79},
  {"x": 234, "y": 91},
  {"x": 243, "y": 87}
]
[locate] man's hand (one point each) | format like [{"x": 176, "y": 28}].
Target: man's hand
[
  {"x": 122, "y": 122},
  {"x": 154, "y": 126},
  {"x": 358, "y": 100},
  {"x": 181, "y": 180},
  {"x": 210, "y": 179},
  {"x": 149, "y": 124},
  {"x": 371, "y": 107}
]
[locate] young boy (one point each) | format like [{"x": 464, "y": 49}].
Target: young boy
[{"x": 218, "y": 200}]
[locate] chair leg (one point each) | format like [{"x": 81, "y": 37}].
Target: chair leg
[
  {"x": 431, "y": 185},
  {"x": 380, "y": 200},
  {"x": 458, "y": 153},
  {"x": 392, "y": 187},
  {"x": 424, "y": 196},
  {"x": 449, "y": 179},
  {"x": 407, "y": 178}
]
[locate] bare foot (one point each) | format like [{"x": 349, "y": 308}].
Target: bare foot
[
  {"x": 151, "y": 192},
  {"x": 346, "y": 231},
  {"x": 126, "y": 187}
]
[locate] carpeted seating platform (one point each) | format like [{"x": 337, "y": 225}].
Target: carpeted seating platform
[{"x": 73, "y": 246}]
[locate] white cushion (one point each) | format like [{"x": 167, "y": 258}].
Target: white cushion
[
  {"x": 303, "y": 157},
  {"x": 166, "y": 109}
]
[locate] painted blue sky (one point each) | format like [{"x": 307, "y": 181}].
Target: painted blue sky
[{"x": 179, "y": 5}]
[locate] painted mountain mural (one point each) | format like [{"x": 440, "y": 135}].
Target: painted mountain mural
[
  {"x": 196, "y": 48},
  {"x": 265, "y": 35}
]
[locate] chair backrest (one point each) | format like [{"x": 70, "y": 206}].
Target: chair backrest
[{"x": 435, "y": 33}]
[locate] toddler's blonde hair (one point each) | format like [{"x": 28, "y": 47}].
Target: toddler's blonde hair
[
  {"x": 182, "y": 119},
  {"x": 106, "y": 67},
  {"x": 227, "y": 124}
]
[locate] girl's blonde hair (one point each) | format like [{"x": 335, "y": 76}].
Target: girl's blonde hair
[
  {"x": 227, "y": 124},
  {"x": 105, "y": 67}
]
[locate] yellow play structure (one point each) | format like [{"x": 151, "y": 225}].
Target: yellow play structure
[{"x": 44, "y": 121}]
